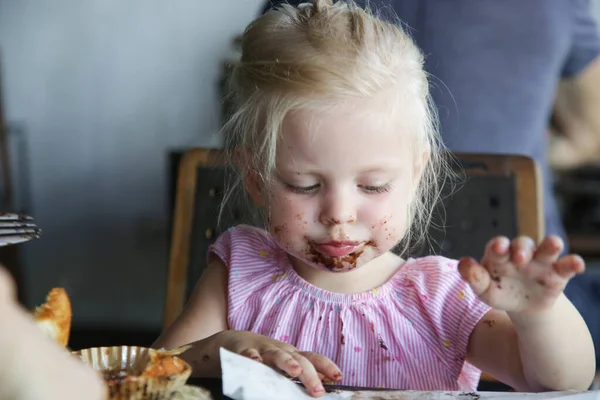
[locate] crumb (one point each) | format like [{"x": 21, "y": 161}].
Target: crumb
[
  {"x": 206, "y": 358},
  {"x": 489, "y": 322},
  {"x": 542, "y": 282}
]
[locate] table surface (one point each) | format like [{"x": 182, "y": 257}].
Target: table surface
[{"x": 215, "y": 386}]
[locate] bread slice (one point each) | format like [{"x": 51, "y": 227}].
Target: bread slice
[{"x": 54, "y": 316}]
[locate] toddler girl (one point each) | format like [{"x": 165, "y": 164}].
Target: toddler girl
[{"x": 335, "y": 141}]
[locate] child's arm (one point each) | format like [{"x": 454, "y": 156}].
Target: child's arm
[
  {"x": 540, "y": 342},
  {"x": 204, "y": 315},
  {"x": 204, "y": 324}
]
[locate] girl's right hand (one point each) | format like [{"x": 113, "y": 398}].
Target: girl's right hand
[{"x": 306, "y": 366}]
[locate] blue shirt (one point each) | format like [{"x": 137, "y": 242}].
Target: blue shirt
[{"x": 495, "y": 67}]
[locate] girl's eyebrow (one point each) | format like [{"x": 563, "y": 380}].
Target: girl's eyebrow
[
  {"x": 294, "y": 171},
  {"x": 377, "y": 169},
  {"x": 374, "y": 170}
]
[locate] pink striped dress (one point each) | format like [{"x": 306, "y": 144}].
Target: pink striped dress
[{"x": 411, "y": 333}]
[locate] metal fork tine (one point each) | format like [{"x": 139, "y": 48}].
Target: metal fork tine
[
  {"x": 16, "y": 228},
  {"x": 7, "y": 232},
  {"x": 8, "y": 240},
  {"x": 14, "y": 217},
  {"x": 16, "y": 225}
]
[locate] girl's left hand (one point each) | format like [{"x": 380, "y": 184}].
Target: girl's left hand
[{"x": 519, "y": 277}]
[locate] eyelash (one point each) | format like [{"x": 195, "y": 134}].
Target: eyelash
[
  {"x": 302, "y": 190},
  {"x": 376, "y": 189},
  {"x": 308, "y": 190}
]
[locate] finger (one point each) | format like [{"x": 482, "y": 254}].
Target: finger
[
  {"x": 324, "y": 366},
  {"x": 521, "y": 249},
  {"x": 323, "y": 378},
  {"x": 252, "y": 354},
  {"x": 566, "y": 267},
  {"x": 309, "y": 376},
  {"x": 549, "y": 250},
  {"x": 278, "y": 358},
  {"x": 496, "y": 258},
  {"x": 498, "y": 246},
  {"x": 496, "y": 251},
  {"x": 477, "y": 276}
]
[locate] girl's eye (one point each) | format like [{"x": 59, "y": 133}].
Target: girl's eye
[
  {"x": 303, "y": 189},
  {"x": 375, "y": 189}
]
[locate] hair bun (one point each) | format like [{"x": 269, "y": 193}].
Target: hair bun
[{"x": 320, "y": 5}]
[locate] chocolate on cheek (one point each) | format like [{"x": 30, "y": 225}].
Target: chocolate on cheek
[{"x": 301, "y": 221}]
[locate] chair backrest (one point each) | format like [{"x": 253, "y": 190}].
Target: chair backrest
[{"x": 500, "y": 195}]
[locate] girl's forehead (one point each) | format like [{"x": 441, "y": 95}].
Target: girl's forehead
[
  {"x": 348, "y": 124},
  {"x": 389, "y": 110},
  {"x": 339, "y": 139}
]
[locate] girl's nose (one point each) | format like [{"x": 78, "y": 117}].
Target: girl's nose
[{"x": 337, "y": 209}]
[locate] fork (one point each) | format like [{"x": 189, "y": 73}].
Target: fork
[{"x": 15, "y": 228}]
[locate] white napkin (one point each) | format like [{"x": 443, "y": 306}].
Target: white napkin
[{"x": 246, "y": 379}]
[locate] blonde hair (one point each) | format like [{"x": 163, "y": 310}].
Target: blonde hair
[{"x": 314, "y": 55}]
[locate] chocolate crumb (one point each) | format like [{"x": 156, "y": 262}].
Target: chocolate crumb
[
  {"x": 489, "y": 322},
  {"x": 471, "y": 395},
  {"x": 542, "y": 282},
  {"x": 382, "y": 344}
]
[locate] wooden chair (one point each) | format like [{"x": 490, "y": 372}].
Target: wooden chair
[
  {"x": 500, "y": 195},
  {"x": 495, "y": 195}
]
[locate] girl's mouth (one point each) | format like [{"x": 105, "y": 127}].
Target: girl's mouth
[{"x": 337, "y": 248}]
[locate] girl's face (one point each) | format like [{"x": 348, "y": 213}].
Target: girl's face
[{"x": 343, "y": 186}]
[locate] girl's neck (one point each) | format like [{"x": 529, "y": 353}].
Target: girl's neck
[{"x": 369, "y": 276}]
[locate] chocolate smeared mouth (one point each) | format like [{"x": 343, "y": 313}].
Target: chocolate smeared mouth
[{"x": 337, "y": 264}]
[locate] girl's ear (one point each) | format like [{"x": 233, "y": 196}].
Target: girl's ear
[{"x": 250, "y": 178}]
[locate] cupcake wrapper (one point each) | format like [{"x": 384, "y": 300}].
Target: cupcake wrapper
[{"x": 122, "y": 366}]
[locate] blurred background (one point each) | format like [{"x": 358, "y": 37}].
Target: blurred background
[{"x": 98, "y": 97}]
